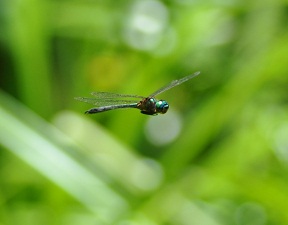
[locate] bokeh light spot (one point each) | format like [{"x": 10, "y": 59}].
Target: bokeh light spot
[
  {"x": 146, "y": 24},
  {"x": 161, "y": 130}
]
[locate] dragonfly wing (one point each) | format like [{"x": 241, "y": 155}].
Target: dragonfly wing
[
  {"x": 104, "y": 102},
  {"x": 107, "y": 95},
  {"x": 173, "y": 84}
]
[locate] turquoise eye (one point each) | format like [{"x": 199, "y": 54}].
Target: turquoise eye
[{"x": 162, "y": 106}]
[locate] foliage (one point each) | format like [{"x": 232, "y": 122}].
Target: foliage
[{"x": 219, "y": 156}]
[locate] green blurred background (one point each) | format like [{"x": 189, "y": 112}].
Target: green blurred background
[{"x": 219, "y": 156}]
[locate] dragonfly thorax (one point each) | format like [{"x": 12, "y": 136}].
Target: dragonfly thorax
[{"x": 152, "y": 106}]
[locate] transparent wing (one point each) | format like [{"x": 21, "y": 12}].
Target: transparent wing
[
  {"x": 174, "y": 83},
  {"x": 107, "y": 95},
  {"x": 104, "y": 102}
]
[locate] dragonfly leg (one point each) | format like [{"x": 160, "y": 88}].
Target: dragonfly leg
[{"x": 149, "y": 113}]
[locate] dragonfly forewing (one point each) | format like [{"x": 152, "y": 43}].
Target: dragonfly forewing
[
  {"x": 173, "y": 84},
  {"x": 105, "y": 102},
  {"x": 108, "y": 95}
]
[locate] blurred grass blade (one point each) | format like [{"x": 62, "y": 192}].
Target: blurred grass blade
[
  {"x": 28, "y": 39},
  {"x": 135, "y": 173},
  {"x": 30, "y": 138}
]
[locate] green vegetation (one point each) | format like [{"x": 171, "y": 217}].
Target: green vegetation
[{"x": 219, "y": 155}]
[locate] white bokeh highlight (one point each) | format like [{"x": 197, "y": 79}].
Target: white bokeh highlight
[
  {"x": 145, "y": 26},
  {"x": 163, "y": 129}
]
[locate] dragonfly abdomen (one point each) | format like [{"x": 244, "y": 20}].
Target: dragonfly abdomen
[{"x": 110, "y": 107}]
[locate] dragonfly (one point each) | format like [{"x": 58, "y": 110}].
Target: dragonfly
[{"x": 105, "y": 101}]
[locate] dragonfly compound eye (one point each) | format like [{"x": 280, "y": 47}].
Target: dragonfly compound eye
[{"x": 162, "y": 106}]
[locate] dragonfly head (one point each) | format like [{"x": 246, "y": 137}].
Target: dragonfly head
[{"x": 161, "y": 106}]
